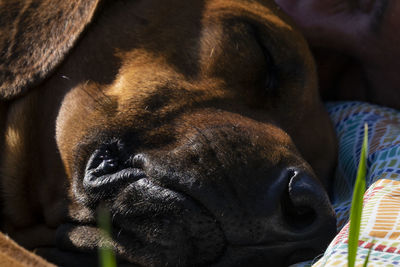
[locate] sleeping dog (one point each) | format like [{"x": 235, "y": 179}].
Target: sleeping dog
[{"x": 196, "y": 124}]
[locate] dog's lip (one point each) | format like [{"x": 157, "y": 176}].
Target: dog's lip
[
  {"x": 95, "y": 182},
  {"x": 182, "y": 198},
  {"x": 190, "y": 212},
  {"x": 123, "y": 225}
]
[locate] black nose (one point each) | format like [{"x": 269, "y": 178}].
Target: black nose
[
  {"x": 307, "y": 212},
  {"x": 109, "y": 169},
  {"x": 292, "y": 221},
  {"x": 303, "y": 201}
]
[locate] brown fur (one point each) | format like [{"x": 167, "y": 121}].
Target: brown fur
[
  {"x": 35, "y": 37},
  {"x": 13, "y": 255},
  {"x": 165, "y": 70}
]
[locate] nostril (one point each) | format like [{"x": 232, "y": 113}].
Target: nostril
[
  {"x": 309, "y": 221},
  {"x": 108, "y": 165},
  {"x": 103, "y": 160},
  {"x": 139, "y": 161},
  {"x": 301, "y": 200},
  {"x": 297, "y": 217},
  {"x": 108, "y": 170},
  {"x": 296, "y": 211}
]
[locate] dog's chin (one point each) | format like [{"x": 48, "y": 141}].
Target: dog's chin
[{"x": 152, "y": 226}]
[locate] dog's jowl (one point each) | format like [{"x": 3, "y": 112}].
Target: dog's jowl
[{"x": 197, "y": 125}]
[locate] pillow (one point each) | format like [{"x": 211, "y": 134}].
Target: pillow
[{"x": 380, "y": 225}]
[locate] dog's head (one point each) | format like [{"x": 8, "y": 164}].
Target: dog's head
[{"x": 198, "y": 125}]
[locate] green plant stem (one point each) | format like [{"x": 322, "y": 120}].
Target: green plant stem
[
  {"x": 357, "y": 202},
  {"x": 106, "y": 254}
]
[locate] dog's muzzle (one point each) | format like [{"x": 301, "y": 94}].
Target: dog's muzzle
[{"x": 211, "y": 200}]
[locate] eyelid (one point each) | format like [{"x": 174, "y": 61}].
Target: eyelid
[{"x": 271, "y": 82}]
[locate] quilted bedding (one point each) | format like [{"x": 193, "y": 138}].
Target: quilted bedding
[{"x": 380, "y": 225}]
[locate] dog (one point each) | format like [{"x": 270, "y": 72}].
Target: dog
[{"x": 196, "y": 124}]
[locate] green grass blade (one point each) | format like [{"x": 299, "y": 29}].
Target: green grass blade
[
  {"x": 106, "y": 254},
  {"x": 357, "y": 202},
  {"x": 369, "y": 253}
]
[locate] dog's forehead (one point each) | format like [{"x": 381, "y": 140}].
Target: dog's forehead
[
  {"x": 137, "y": 48},
  {"x": 210, "y": 41},
  {"x": 182, "y": 32}
]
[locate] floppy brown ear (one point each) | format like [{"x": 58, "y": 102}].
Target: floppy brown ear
[{"x": 35, "y": 36}]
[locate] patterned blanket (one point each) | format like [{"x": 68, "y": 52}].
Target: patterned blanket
[{"x": 380, "y": 226}]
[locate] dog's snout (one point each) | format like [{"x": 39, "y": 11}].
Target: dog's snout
[
  {"x": 259, "y": 200},
  {"x": 244, "y": 183}
]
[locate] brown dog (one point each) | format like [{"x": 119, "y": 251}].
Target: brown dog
[{"x": 194, "y": 123}]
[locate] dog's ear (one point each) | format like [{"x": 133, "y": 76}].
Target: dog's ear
[{"x": 35, "y": 36}]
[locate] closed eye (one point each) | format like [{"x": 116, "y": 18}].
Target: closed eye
[{"x": 271, "y": 79}]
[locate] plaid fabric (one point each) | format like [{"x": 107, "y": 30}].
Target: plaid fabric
[{"x": 380, "y": 226}]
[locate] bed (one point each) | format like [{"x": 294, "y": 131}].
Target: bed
[{"x": 380, "y": 225}]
